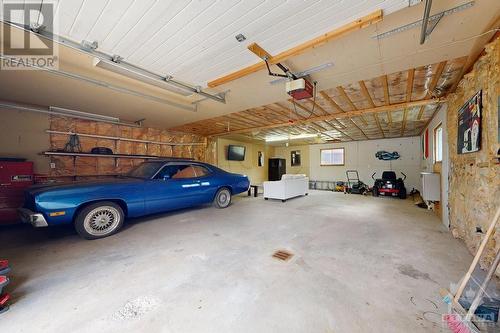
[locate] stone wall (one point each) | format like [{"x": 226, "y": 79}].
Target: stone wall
[{"x": 474, "y": 192}]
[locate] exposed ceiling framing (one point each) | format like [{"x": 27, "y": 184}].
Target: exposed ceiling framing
[{"x": 395, "y": 105}]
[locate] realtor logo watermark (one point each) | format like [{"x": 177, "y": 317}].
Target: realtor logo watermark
[{"x": 26, "y": 50}]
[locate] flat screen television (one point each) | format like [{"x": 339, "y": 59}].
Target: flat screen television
[{"x": 235, "y": 153}]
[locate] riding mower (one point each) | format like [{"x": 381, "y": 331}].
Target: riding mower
[{"x": 389, "y": 185}]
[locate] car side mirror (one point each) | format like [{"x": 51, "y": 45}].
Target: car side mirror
[{"x": 166, "y": 177}]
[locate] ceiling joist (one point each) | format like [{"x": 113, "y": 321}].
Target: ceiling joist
[{"x": 347, "y": 114}]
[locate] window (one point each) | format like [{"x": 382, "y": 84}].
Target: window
[
  {"x": 334, "y": 156},
  {"x": 438, "y": 144},
  {"x": 145, "y": 170},
  {"x": 182, "y": 171},
  {"x": 200, "y": 171}
]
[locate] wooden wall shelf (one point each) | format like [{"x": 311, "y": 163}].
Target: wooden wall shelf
[
  {"x": 126, "y": 139},
  {"x": 57, "y": 153}
]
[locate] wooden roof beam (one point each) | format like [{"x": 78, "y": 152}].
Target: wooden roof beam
[
  {"x": 346, "y": 97},
  {"x": 403, "y": 125},
  {"x": 338, "y": 130},
  {"x": 385, "y": 85},
  {"x": 359, "y": 128},
  {"x": 296, "y": 114},
  {"x": 409, "y": 84},
  {"x": 303, "y": 107},
  {"x": 279, "y": 113},
  {"x": 365, "y": 92},
  {"x": 360, "y": 23},
  {"x": 330, "y": 101},
  {"x": 435, "y": 79},
  {"x": 421, "y": 112},
  {"x": 378, "y": 124},
  {"x": 317, "y": 106},
  {"x": 350, "y": 114}
]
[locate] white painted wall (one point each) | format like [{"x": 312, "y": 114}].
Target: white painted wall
[
  {"x": 360, "y": 155},
  {"x": 428, "y": 164}
]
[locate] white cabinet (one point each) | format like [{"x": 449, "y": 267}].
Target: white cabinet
[{"x": 431, "y": 186}]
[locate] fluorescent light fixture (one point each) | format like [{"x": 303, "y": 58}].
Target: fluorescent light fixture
[
  {"x": 80, "y": 114},
  {"x": 278, "y": 138},
  {"x": 140, "y": 76}
]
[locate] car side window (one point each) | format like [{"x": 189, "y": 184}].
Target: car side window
[
  {"x": 182, "y": 171},
  {"x": 169, "y": 171},
  {"x": 200, "y": 171}
]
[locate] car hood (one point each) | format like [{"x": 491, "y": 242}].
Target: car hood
[{"x": 42, "y": 188}]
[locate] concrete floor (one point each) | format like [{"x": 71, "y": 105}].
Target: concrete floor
[{"x": 360, "y": 264}]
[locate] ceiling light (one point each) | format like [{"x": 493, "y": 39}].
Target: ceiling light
[
  {"x": 139, "y": 76},
  {"x": 240, "y": 37}
]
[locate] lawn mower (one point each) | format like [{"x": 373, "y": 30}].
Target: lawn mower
[
  {"x": 389, "y": 185},
  {"x": 354, "y": 185}
]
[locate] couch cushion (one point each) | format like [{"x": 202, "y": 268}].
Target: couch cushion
[{"x": 292, "y": 176}]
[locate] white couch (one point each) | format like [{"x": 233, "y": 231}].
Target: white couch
[{"x": 290, "y": 186}]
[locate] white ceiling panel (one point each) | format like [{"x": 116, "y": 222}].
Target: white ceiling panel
[
  {"x": 87, "y": 18},
  {"x": 194, "y": 39},
  {"x": 223, "y": 38},
  {"x": 211, "y": 15},
  {"x": 111, "y": 15},
  {"x": 191, "y": 12},
  {"x": 127, "y": 22},
  {"x": 160, "y": 14}
]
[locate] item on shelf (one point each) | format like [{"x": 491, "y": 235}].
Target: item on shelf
[
  {"x": 73, "y": 145},
  {"x": 12, "y": 159},
  {"x": 101, "y": 151}
]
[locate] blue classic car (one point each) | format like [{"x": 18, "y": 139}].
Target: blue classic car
[{"x": 98, "y": 208}]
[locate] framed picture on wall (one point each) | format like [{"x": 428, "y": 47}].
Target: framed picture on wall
[
  {"x": 469, "y": 125},
  {"x": 295, "y": 158},
  {"x": 260, "y": 158}
]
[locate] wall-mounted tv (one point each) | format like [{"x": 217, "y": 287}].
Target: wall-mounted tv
[{"x": 235, "y": 153}]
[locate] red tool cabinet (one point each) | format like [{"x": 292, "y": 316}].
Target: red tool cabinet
[{"x": 15, "y": 177}]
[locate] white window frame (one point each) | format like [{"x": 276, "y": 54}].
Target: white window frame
[
  {"x": 332, "y": 163},
  {"x": 438, "y": 158}
]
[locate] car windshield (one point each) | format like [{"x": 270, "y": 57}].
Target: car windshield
[{"x": 145, "y": 170}]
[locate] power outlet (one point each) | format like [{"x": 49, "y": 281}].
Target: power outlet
[{"x": 52, "y": 165}]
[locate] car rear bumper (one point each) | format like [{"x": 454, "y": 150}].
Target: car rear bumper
[{"x": 35, "y": 219}]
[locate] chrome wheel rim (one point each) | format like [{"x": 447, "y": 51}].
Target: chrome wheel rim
[
  {"x": 102, "y": 220},
  {"x": 224, "y": 198}
]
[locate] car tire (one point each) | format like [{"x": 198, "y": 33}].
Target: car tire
[
  {"x": 222, "y": 198},
  {"x": 99, "y": 220}
]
